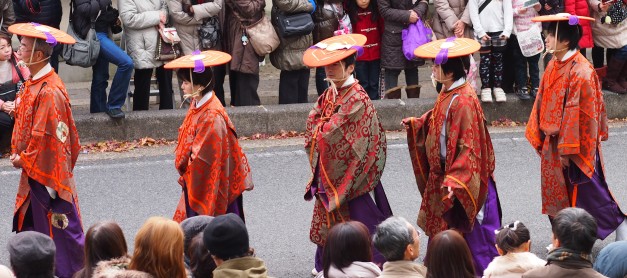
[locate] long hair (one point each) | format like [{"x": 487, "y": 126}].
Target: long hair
[
  {"x": 448, "y": 256},
  {"x": 347, "y": 242},
  {"x": 201, "y": 263},
  {"x": 352, "y": 9},
  {"x": 159, "y": 249},
  {"x": 104, "y": 241}
]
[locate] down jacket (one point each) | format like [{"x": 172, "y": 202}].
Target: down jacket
[
  {"x": 580, "y": 8},
  {"x": 238, "y": 14},
  {"x": 187, "y": 26},
  {"x": 607, "y": 35},
  {"x": 141, "y": 20},
  {"x": 395, "y": 15},
  {"x": 86, "y": 10},
  {"x": 447, "y": 13},
  {"x": 325, "y": 21},
  {"x": 8, "y": 16},
  {"x": 289, "y": 55},
  {"x": 46, "y": 12}
]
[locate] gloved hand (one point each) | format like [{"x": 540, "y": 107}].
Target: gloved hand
[{"x": 313, "y": 3}]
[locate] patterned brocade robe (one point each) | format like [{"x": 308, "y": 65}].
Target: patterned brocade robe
[
  {"x": 469, "y": 159},
  {"x": 211, "y": 163},
  {"x": 347, "y": 150},
  {"x": 46, "y": 140},
  {"x": 568, "y": 119}
]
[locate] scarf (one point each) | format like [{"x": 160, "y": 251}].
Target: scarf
[{"x": 569, "y": 259}]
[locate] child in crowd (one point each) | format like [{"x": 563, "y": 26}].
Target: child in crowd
[
  {"x": 492, "y": 22},
  {"x": 522, "y": 22},
  {"x": 365, "y": 19},
  {"x": 513, "y": 243}
]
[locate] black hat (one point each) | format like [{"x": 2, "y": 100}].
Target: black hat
[
  {"x": 193, "y": 226},
  {"x": 32, "y": 251},
  {"x": 226, "y": 236}
]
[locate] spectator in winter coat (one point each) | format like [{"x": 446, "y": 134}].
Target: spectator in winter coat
[
  {"x": 399, "y": 242},
  {"x": 8, "y": 16},
  {"x": 46, "y": 12},
  {"x": 451, "y": 18},
  {"x": 326, "y": 21},
  {"x": 580, "y": 8},
  {"x": 611, "y": 260},
  {"x": 107, "y": 20},
  {"x": 294, "y": 78},
  {"x": 397, "y": 15}
]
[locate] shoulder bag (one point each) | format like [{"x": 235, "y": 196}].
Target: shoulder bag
[
  {"x": 209, "y": 33},
  {"x": 168, "y": 47},
  {"x": 263, "y": 37},
  {"x": 84, "y": 53},
  {"x": 292, "y": 25}
]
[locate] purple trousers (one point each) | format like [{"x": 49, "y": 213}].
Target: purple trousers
[
  {"x": 369, "y": 212},
  {"x": 69, "y": 241},
  {"x": 593, "y": 195},
  {"x": 236, "y": 207}
]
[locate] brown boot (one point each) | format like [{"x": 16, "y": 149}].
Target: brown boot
[
  {"x": 413, "y": 91},
  {"x": 394, "y": 93},
  {"x": 611, "y": 81}
]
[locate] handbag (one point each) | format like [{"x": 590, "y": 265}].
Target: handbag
[
  {"x": 263, "y": 37},
  {"x": 530, "y": 41},
  {"x": 84, "y": 53},
  {"x": 616, "y": 13},
  {"x": 168, "y": 47},
  {"x": 413, "y": 36},
  {"x": 209, "y": 33},
  {"x": 292, "y": 25}
]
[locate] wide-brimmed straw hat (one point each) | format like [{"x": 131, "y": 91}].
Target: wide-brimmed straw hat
[
  {"x": 199, "y": 60},
  {"x": 442, "y": 50},
  {"x": 35, "y": 30},
  {"x": 572, "y": 19},
  {"x": 334, "y": 49}
]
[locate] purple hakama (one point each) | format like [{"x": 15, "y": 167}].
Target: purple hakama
[
  {"x": 236, "y": 207},
  {"x": 366, "y": 210},
  {"x": 593, "y": 195},
  {"x": 69, "y": 240}
]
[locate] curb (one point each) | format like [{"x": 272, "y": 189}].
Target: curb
[{"x": 272, "y": 119}]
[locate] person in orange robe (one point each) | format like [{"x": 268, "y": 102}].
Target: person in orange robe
[
  {"x": 566, "y": 127},
  {"x": 346, "y": 146},
  {"x": 452, "y": 156},
  {"x": 45, "y": 146},
  {"x": 214, "y": 170}
]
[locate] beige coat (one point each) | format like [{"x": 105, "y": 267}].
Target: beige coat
[
  {"x": 141, "y": 20},
  {"x": 289, "y": 55},
  {"x": 117, "y": 268},
  {"x": 447, "y": 12},
  {"x": 403, "y": 269},
  {"x": 607, "y": 35},
  {"x": 187, "y": 26},
  {"x": 513, "y": 265}
]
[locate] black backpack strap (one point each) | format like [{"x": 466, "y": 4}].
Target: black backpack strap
[{"x": 481, "y": 8}]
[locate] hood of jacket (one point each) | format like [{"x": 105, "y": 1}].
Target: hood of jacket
[{"x": 246, "y": 267}]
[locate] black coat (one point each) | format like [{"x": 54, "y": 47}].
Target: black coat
[
  {"x": 87, "y": 10},
  {"x": 395, "y": 15},
  {"x": 47, "y": 12}
]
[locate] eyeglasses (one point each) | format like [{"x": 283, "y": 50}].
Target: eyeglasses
[{"x": 22, "y": 49}]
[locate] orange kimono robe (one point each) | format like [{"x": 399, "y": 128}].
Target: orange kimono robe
[
  {"x": 213, "y": 168},
  {"x": 46, "y": 140},
  {"x": 568, "y": 120},
  {"x": 346, "y": 146},
  {"x": 469, "y": 159}
]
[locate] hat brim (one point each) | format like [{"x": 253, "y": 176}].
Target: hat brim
[
  {"x": 457, "y": 48},
  {"x": 557, "y": 17},
  {"x": 209, "y": 58},
  {"x": 319, "y": 57},
  {"x": 32, "y": 31}
]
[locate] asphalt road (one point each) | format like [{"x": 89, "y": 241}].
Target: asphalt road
[{"x": 129, "y": 188}]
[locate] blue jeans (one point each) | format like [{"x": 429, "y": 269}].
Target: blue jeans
[
  {"x": 368, "y": 74},
  {"x": 109, "y": 53}
]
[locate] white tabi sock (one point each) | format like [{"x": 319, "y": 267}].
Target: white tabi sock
[{"x": 621, "y": 231}]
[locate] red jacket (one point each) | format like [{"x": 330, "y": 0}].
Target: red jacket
[
  {"x": 580, "y": 8},
  {"x": 373, "y": 31}
]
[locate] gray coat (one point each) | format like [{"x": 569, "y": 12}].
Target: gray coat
[
  {"x": 187, "y": 26},
  {"x": 447, "y": 12},
  {"x": 289, "y": 55},
  {"x": 141, "y": 20},
  {"x": 8, "y": 16},
  {"x": 395, "y": 15}
]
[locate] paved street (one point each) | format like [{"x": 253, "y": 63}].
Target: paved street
[{"x": 130, "y": 187}]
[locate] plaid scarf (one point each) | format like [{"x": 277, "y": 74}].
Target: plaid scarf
[{"x": 569, "y": 259}]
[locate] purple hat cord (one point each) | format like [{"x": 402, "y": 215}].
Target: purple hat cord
[
  {"x": 442, "y": 56},
  {"x": 49, "y": 37},
  {"x": 199, "y": 67},
  {"x": 573, "y": 20}
]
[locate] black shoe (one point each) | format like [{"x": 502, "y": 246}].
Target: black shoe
[
  {"x": 523, "y": 94},
  {"x": 534, "y": 93},
  {"x": 116, "y": 113}
]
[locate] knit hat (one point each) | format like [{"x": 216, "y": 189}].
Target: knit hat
[
  {"x": 32, "y": 251},
  {"x": 226, "y": 236},
  {"x": 193, "y": 226}
]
